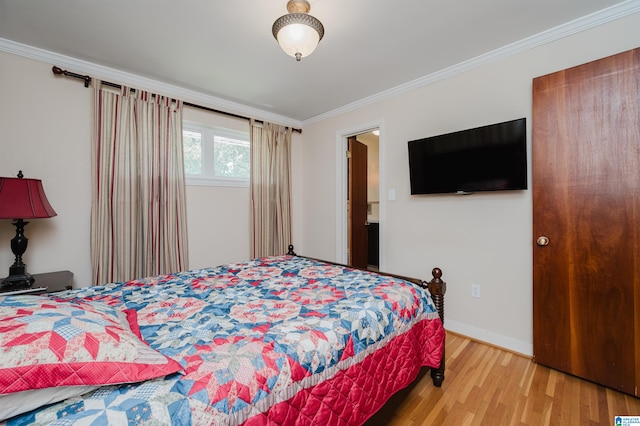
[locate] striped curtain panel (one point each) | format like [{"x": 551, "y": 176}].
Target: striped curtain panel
[
  {"x": 138, "y": 211},
  {"x": 270, "y": 189}
]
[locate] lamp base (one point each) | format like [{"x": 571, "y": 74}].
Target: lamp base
[{"x": 18, "y": 278}]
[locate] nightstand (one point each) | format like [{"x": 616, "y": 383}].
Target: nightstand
[
  {"x": 54, "y": 281},
  {"x": 49, "y": 282}
]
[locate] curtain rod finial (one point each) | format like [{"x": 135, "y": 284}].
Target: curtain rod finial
[{"x": 59, "y": 71}]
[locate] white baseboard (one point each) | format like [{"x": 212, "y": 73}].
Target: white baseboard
[{"x": 490, "y": 337}]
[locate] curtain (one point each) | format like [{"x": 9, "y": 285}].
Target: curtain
[
  {"x": 138, "y": 211},
  {"x": 270, "y": 189}
]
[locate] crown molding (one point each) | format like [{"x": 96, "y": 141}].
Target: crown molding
[
  {"x": 127, "y": 79},
  {"x": 604, "y": 16},
  {"x": 612, "y": 13}
]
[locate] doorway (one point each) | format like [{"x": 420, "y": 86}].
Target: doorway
[{"x": 359, "y": 207}]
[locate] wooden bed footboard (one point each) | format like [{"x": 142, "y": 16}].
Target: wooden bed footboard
[{"x": 436, "y": 287}]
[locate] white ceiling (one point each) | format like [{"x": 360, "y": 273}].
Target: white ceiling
[{"x": 224, "y": 48}]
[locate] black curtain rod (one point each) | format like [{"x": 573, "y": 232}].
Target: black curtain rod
[{"x": 87, "y": 81}]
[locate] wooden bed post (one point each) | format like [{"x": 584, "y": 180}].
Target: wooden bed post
[{"x": 438, "y": 288}]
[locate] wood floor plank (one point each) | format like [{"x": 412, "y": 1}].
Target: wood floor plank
[{"x": 485, "y": 385}]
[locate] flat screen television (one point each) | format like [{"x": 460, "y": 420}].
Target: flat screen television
[{"x": 487, "y": 158}]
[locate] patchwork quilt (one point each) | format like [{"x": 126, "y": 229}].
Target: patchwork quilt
[{"x": 274, "y": 341}]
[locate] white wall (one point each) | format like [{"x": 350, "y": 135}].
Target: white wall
[
  {"x": 485, "y": 238},
  {"x": 45, "y": 131},
  {"x": 45, "y": 124}
]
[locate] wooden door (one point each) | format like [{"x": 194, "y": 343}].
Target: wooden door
[
  {"x": 586, "y": 203},
  {"x": 358, "y": 204}
]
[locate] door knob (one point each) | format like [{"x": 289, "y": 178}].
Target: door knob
[{"x": 542, "y": 241}]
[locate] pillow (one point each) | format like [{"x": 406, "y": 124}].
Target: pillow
[{"x": 47, "y": 342}]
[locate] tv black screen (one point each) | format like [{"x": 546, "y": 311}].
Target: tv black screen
[{"x": 487, "y": 158}]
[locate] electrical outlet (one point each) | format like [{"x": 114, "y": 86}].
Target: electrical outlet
[{"x": 475, "y": 291}]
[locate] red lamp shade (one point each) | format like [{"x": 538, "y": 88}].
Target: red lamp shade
[{"x": 22, "y": 198}]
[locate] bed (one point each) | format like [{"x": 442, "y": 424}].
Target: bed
[{"x": 278, "y": 340}]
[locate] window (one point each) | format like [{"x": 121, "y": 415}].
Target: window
[{"x": 215, "y": 156}]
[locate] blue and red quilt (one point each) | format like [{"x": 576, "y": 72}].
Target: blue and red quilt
[{"x": 279, "y": 340}]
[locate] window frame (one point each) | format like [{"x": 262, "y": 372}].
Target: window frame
[{"x": 208, "y": 145}]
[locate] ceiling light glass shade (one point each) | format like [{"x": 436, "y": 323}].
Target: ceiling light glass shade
[{"x": 298, "y": 33}]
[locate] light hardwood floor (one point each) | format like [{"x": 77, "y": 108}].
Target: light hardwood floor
[{"x": 485, "y": 385}]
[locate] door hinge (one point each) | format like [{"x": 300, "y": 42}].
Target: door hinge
[{"x": 348, "y": 154}]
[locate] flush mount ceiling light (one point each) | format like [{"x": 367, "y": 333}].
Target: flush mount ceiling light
[{"x": 298, "y": 33}]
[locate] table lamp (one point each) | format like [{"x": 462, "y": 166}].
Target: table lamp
[{"x": 21, "y": 199}]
